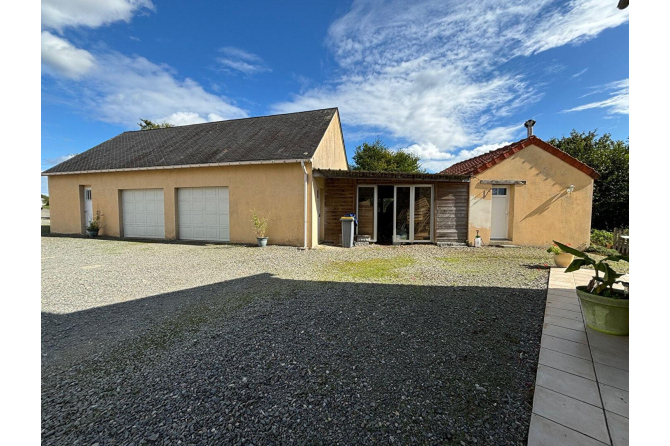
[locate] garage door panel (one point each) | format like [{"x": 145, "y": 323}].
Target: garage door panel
[
  {"x": 143, "y": 214},
  {"x": 203, "y": 214}
]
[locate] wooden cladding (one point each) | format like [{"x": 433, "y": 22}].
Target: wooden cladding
[
  {"x": 451, "y": 212},
  {"x": 450, "y": 209},
  {"x": 339, "y": 199}
]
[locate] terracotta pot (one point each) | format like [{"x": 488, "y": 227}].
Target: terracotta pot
[{"x": 563, "y": 259}]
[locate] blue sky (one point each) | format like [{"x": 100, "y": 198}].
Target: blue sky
[{"x": 447, "y": 80}]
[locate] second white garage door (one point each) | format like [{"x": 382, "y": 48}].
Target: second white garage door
[{"x": 203, "y": 214}]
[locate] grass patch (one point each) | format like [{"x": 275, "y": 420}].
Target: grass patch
[
  {"x": 174, "y": 329},
  {"x": 448, "y": 259},
  {"x": 371, "y": 269}
]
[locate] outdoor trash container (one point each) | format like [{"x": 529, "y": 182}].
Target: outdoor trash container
[{"x": 347, "y": 231}]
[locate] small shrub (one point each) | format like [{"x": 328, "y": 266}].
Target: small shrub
[
  {"x": 260, "y": 224},
  {"x": 553, "y": 249},
  {"x": 94, "y": 225},
  {"x": 602, "y": 238},
  {"x": 601, "y": 250}
]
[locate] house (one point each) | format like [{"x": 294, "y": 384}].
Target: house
[
  {"x": 528, "y": 193},
  {"x": 201, "y": 182}
]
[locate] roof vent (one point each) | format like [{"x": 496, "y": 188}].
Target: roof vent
[{"x": 529, "y": 126}]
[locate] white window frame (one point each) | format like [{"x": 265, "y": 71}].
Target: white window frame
[
  {"x": 412, "y": 195},
  {"x": 374, "y": 235}
]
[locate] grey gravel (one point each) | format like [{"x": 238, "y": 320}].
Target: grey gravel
[{"x": 168, "y": 343}]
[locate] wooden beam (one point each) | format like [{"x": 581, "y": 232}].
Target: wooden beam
[{"x": 502, "y": 182}]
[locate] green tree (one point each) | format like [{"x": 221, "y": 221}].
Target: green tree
[
  {"x": 377, "y": 157},
  {"x": 45, "y": 200},
  {"x": 610, "y": 159},
  {"x": 146, "y": 124}
]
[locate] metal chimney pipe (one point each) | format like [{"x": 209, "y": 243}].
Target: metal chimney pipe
[{"x": 529, "y": 126}]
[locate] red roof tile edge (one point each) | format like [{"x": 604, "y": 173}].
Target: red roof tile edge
[{"x": 487, "y": 160}]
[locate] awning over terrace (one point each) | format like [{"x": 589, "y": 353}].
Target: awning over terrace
[{"x": 393, "y": 176}]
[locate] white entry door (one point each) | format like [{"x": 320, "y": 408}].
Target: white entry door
[
  {"x": 88, "y": 206},
  {"x": 203, "y": 214},
  {"x": 499, "y": 211},
  {"x": 143, "y": 214}
]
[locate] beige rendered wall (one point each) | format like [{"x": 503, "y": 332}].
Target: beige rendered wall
[
  {"x": 541, "y": 210},
  {"x": 275, "y": 190}
]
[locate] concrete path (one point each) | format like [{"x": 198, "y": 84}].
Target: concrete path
[{"x": 581, "y": 389}]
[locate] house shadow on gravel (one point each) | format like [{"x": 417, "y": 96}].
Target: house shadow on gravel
[{"x": 271, "y": 361}]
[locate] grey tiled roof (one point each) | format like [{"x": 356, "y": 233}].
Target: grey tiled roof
[{"x": 267, "y": 138}]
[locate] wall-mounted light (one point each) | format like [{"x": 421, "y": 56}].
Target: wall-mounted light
[{"x": 570, "y": 189}]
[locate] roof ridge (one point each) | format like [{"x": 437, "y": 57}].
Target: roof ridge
[
  {"x": 235, "y": 119},
  {"x": 484, "y": 161},
  {"x": 481, "y": 155}
]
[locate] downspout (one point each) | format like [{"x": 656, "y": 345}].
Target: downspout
[{"x": 302, "y": 164}]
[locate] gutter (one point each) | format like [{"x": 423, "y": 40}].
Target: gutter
[
  {"x": 304, "y": 211},
  {"x": 183, "y": 166}
]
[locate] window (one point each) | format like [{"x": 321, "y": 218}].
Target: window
[{"x": 499, "y": 190}]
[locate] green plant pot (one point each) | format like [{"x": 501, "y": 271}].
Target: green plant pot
[
  {"x": 92, "y": 232},
  {"x": 604, "y": 314},
  {"x": 262, "y": 241},
  {"x": 563, "y": 260}
]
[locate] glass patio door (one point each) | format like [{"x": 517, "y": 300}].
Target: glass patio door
[{"x": 413, "y": 214}]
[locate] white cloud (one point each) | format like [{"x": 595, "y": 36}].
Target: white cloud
[
  {"x": 572, "y": 23},
  {"x": 616, "y": 104},
  {"x": 119, "y": 89},
  {"x": 433, "y": 75},
  {"x": 236, "y": 59},
  {"x": 436, "y": 160},
  {"x": 123, "y": 89},
  {"x": 579, "y": 74},
  {"x": 63, "y": 58},
  {"x": 60, "y": 14},
  {"x": 49, "y": 162},
  {"x": 187, "y": 118}
]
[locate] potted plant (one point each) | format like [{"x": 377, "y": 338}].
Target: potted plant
[
  {"x": 561, "y": 259},
  {"x": 94, "y": 226},
  {"x": 260, "y": 228},
  {"x": 605, "y": 307}
]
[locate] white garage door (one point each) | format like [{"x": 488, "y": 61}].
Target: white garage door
[
  {"x": 143, "y": 214},
  {"x": 203, "y": 214}
]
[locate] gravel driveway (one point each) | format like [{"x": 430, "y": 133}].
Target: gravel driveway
[{"x": 166, "y": 343}]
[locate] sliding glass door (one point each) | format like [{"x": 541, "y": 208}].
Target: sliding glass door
[
  {"x": 422, "y": 207},
  {"x": 402, "y": 213},
  {"x": 413, "y": 214}
]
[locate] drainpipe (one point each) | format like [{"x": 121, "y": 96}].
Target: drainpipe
[{"x": 302, "y": 164}]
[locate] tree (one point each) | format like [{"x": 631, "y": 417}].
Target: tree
[
  {"x": 45, "y": 200},
  {"x": 378, "y": 157},
  {"x": 610, "y": 159},
  {"x": 146, "y": 124}
]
